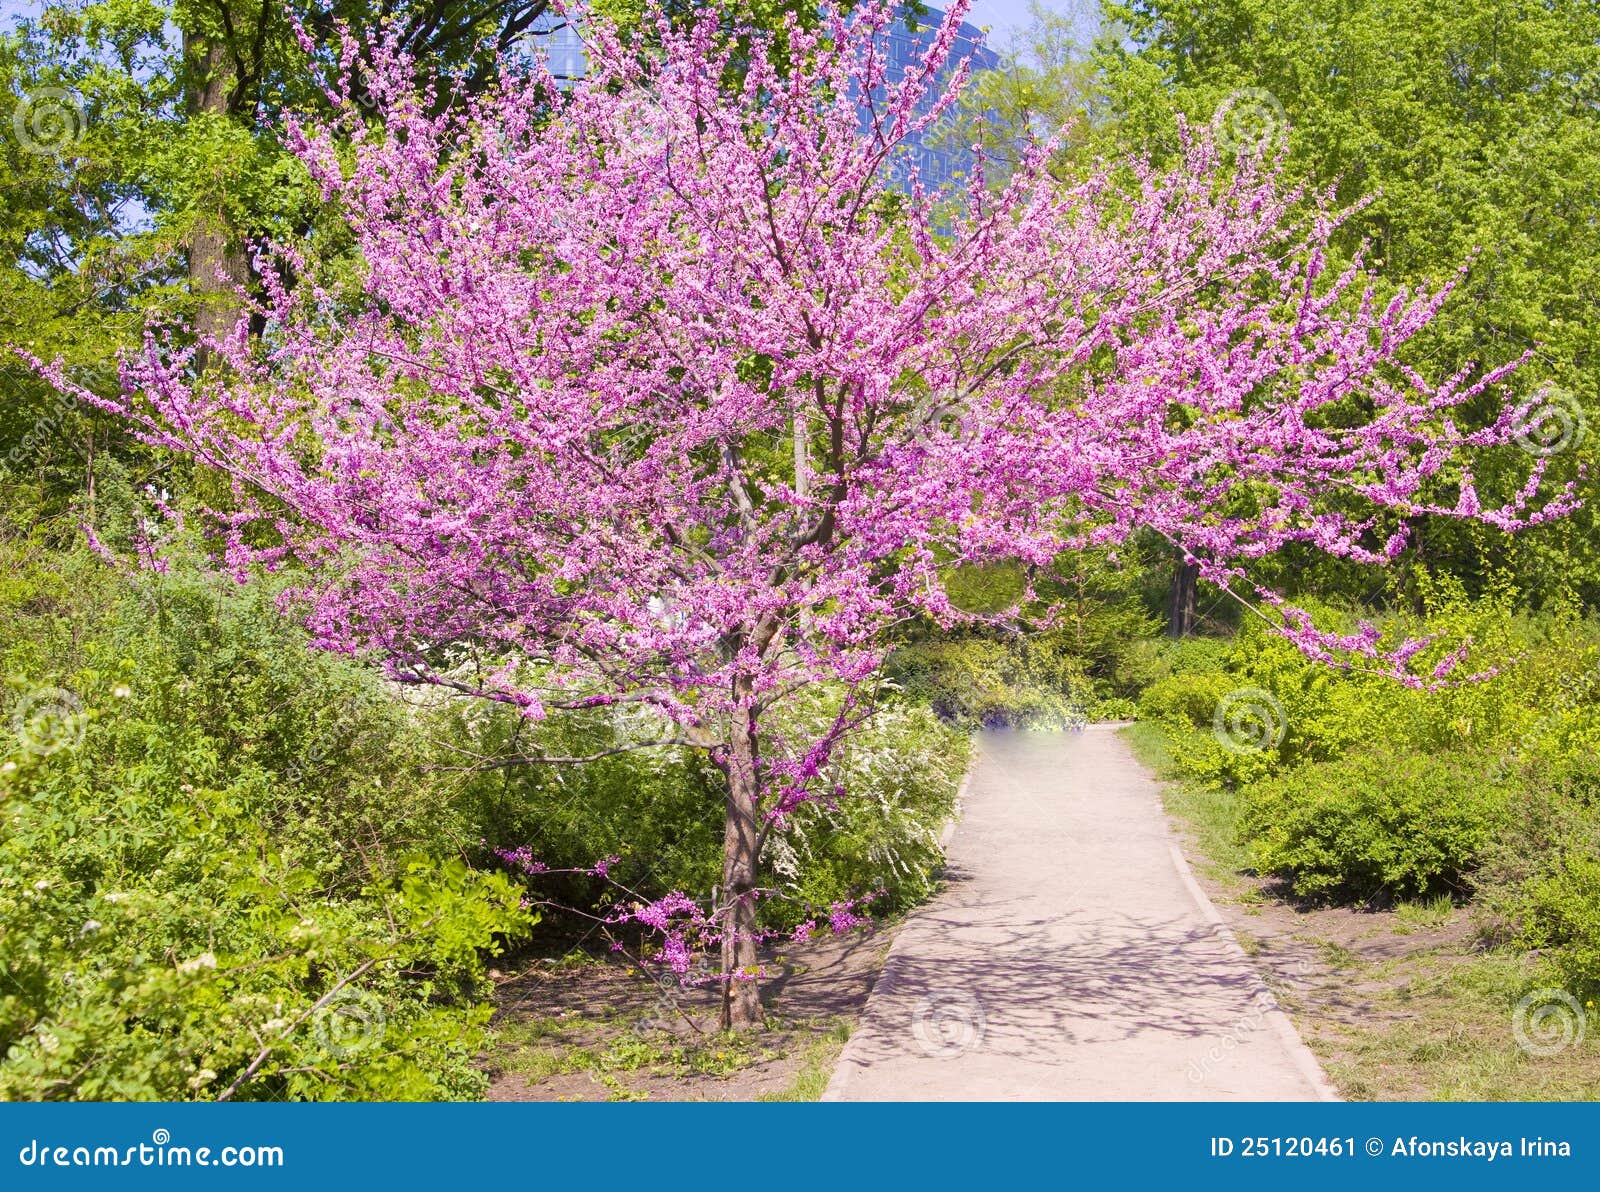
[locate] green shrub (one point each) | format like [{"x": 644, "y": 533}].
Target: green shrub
[
  {"x": 1381, "y": 791},
  {"x": 658, "y": 810},
  {"x": 1246, "y": 747},
  {"x": 1186, "y": 699},
  {"x": 1539, "y": 885},
  {"x": 219, "y": 843},
  {"x": 222, "y": 850},
  {"x": 978, "y": 682},
  {"x": 1373, "y": 826},
  {"x": 1560, "y": 913},
  {"x": 1116, "y": 708},
  {"x": 902, "y": 772},
  {"x": 1542, "y": 700},
  {"x": 1192, "y": 655},
  {"x": 1542, "y": 696}
]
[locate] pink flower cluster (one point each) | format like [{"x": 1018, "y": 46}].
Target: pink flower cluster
[{"x": 520, "y": 859}]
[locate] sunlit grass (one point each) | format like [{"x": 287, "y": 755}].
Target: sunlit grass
[
  {"x": 817, "y": 1064},
  {"x": 1446, "y": 1034}
]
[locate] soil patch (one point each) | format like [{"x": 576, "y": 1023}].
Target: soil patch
[{"x": 586, "y": 1027}]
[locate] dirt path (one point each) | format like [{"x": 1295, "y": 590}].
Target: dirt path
[{"x": 1072, "y": 956}]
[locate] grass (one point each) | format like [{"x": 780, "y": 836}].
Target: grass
[
  {"x": 816, "y": 1066},
  {"x": 1444, "y": 1032},
  {"x": 1151, "y": 746},
  {"x": 536, "y": 1049},
  {"x": 1424, "y": 913},
  {"x": 609, "y": 1050},
  {"x": 1336, "y": 956},
  {"x": 522, "y": 1032}
]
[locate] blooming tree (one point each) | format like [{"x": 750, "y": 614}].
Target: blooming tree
[{"x": 650, "y": 390}]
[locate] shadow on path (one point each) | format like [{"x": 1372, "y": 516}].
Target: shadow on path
[{"x": 1068, "y": 956}]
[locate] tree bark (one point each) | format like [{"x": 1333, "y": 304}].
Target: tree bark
[
  {"x": 802, "y": 454},
  {"x": 1181, "y": 600},
  {"x": 218, "y": 267},
  {"x": 741, "y": 991}
]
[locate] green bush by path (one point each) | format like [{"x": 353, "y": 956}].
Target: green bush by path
[
  {"x": 1375, "y": 826},
  {"x": 1560, "y": 916},
  {"x": 1539, "y": 885},
  {"x": 228, "y": 857},
  {"x": 1369, "y": 791},
  {"x": 222, "y": 860},
  {"x": 904, "y": 770}
]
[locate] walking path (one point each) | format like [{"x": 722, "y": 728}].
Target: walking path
[{"x": 1071, "y": 956}]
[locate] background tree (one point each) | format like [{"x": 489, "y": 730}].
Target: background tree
[
  {"x": 148, "y": 157},
  {"x": 1044, "y": 83},
  {"x": 1475, "y": 130}
]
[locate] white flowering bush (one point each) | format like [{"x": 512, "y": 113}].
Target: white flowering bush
[{"x": 902, "y": 771}]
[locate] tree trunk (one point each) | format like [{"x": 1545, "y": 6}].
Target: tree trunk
[
  {"x": 1181, "y": 600},
  {"x": 741, "y": 992},
  {"x": 218, "y": 267},
  {"x": 802, "y": 454}
]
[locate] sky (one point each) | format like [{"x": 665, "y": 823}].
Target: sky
[{"x": 1002, "y": 17}]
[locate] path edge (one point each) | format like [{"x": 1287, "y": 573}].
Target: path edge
[
  {"x": 1303, "y": 1058},
  {"x": 848, "y": 1062}
]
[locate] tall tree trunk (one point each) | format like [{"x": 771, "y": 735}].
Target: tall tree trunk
[
  {"x": 802, "y": 453},
  {"x": 741, "y": 992},
  {"x": 218, "y": 267},
  {"x": 1181, "y": 599}
]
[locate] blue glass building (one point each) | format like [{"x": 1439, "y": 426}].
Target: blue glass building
[
  {"x": 936, "y": 158},
  {"x": 558, "y": 39}
]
